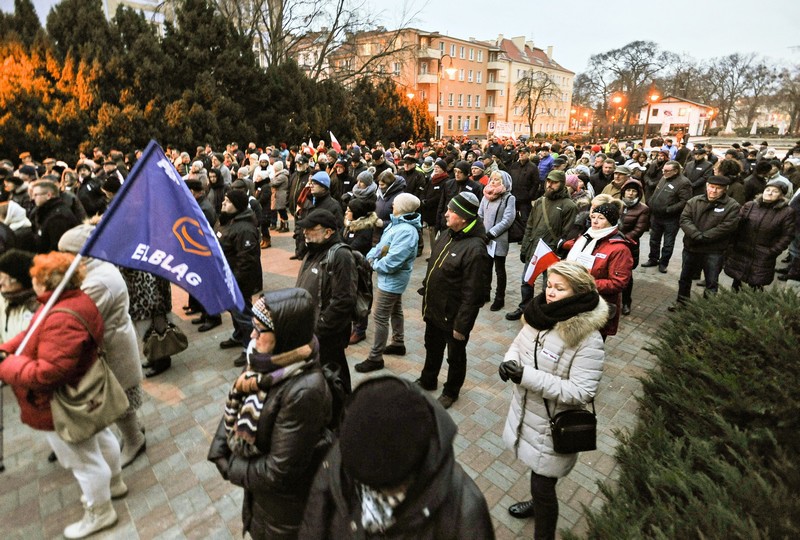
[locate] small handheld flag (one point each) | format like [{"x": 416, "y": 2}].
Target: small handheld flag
[{"x": 542, "y": 259}]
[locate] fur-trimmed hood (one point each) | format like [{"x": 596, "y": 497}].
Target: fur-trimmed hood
[
  {"x": 575, "y": 329},
  {"x": 365, "y": 222}
]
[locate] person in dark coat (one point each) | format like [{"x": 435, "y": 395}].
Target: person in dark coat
[
  {"x": 320, "y": 196},
  {"x": 633, "y": 223},
  {"x": 600, "y": 179},
  {"x": 273, "y": 433},
  {"x": 332, "y": 286},
  {"x": 698, "y": 170},
  {"x": 458, "y": 184},
  {"x": 359, "y": 221},
  {"x": 238, "y": 237},
  {"x": 766, "y": 227},
  {"x": 525, "y": 184},
  {"x": 756, "y": 182},
  {"x": 429, "y": 206},
  {"x": 457, "y": 283},
  {"x": 51, "y": 217},
  {"x": 667, "y": 200},
  {"x": 393, "y": 473},
  {"x": 654, "y": 172}
]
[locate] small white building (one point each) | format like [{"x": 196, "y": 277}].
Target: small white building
[{"x": 673, "y": 114}]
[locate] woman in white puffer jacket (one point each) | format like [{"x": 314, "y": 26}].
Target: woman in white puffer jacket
[{"x": 562, "y": 330}]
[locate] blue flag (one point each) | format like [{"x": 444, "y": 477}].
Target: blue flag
[{"x": 154, "y": 224}]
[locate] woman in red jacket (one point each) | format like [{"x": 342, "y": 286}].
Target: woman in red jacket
[
  {"x": 60, "y": 351},
  {"x": 604, "y": 251}
]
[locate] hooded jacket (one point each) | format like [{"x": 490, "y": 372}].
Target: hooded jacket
[
  {"x": 570, "y": 358},
  {"x": 358, "y": 233},
  {"x": 400, "y": 240},
  {"x": 457, "y": 281},
  {"x": 443, "y": 503},
  {"x": 291, "y": 433}
]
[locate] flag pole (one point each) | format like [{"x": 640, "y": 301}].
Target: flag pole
[{"x": 31, "y": 329}]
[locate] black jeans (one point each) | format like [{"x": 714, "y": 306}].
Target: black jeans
[
  {"x": 668, "y": 228},
  {"x": 331, "y": 351},
  {"x": 436, "y": 339},
  {"x": 502, "y": 278},
  {"x": 545, "y": 506}
]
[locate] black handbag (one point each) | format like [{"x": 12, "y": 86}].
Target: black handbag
[{"x": 573, "y": 430}]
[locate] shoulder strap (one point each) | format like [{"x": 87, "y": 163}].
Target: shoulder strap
[
  {"x": 547, "y": 218},
  {"x": 77, "y": 316}
]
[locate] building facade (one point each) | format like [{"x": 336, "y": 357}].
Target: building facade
[{"x": 673, "y": 114}]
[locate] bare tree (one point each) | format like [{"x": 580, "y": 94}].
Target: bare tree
[
  {"x": 728, "y": 79},
  {"x": 532, "y": 90},
  {"x": 317, "y": 30},
  {"x": 788, "y": 95}
]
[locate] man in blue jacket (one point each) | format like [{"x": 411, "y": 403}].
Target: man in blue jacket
[{"x": 392, "y": 258}]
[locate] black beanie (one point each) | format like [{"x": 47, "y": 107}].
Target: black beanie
[
  {"x": 361, "y": 207},
  {"x": 609, "y": 210},
  {"x": 17, "y": 264},
  {"x": 386, "y": 432},
  {"x": 464, "y": 167},
  {"x": 238, "y": 199}
]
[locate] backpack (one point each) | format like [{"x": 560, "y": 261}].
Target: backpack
[{"x": 363, "y": 303}]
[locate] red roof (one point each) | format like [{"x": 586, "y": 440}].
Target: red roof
[{"x": 533, "y": 56}]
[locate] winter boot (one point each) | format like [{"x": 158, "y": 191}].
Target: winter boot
[
  {"x": 133, "y": 440},
  {"x": 95, "y": 518}
]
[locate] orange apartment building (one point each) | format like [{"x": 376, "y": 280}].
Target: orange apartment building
[{"x": 468, "y": 85}]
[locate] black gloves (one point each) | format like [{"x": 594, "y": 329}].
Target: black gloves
[
  {"x": 490, "y": 236},
  {"x": 510, "y": 370}
]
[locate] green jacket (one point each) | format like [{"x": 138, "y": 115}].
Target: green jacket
[{"x": 560, "y": 212}]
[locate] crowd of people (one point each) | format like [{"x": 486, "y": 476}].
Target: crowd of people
[{"x": 389, "y": 467}]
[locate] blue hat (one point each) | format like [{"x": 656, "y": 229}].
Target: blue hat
[{"x": 322, "y": 179}]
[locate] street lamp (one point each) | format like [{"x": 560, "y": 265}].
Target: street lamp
[
  {"x": 451, "y": 72},
  {"x": 616, "y": 100},
  {"x": 653, "y": 97}
]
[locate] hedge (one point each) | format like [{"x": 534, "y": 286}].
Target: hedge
[{"x": 714, "y": 453}]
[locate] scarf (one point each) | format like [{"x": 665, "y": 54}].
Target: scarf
[
  {"x": 543, "y": 316},
  {"x": 438, "y": 178},
  {"x": 493, "y": 191},
  {"x": 366, "y": 192},
  {"x": 377, "y": 508},
  {"x": 243, "y": 411},
  {"x": 630, "y": 203},
  {"x": 588, "y": 240}
]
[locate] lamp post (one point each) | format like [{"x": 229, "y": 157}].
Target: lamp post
[
  {"x": 652, "y": 97},
  {"x": 451, "y": 71},
  {"x": 616, "y": 100}
]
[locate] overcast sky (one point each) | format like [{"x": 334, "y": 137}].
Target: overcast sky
[{"x": 580, "y": 28}]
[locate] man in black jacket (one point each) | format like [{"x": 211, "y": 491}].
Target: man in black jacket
[
  {"x": 456, "y": 285},
  {"x": 238, "y": 238},
  {"x": 666, "y": 203},
  {"x": 525, "y": 184},
  {"x": 395, "y": 445},
  {"x": 51, "y": 217},
  {"x": 698, "y": 170},
  {"x": 453, "y": 187},
  {"x": 332, "y": 286}
]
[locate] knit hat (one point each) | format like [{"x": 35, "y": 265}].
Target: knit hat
[
  {"x": 573, "y": 181},
  {"x": 405, "y": 203},
  {"x": 361, "y": 207},
  {"x": 479, "y": 164},
  {"x": 17, "y": 264},
  {"x": 322, "y": 179},
  {"x": 780, "y": 185},
  {"x": 238, "y": 199},
  {"x": 386, "y": 432},
  {"x": 197, "y": 165},
  {"x": 428, "y": 161},
  {"x": 557, "y": 176},
  {"x": 366, "y": 178},
  {"x": 609, "y": 210},
  {"x": 442, "y": 164},
  {"x": 465, "y": 204},
  {"x": 73, "y": 240},
  {"x": 262, "y": 314},
  {"x": 464, "y": 167},
  {"x": 263, "y": 157}
]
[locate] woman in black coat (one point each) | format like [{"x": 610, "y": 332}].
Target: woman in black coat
[
  {"x": 766, "y": 227},
  {"x": 274, "y": 433}
]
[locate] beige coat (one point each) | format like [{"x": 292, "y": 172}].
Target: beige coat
[
  {"x": 570, "y": 357},
  {"x": 104, "y": 285}
]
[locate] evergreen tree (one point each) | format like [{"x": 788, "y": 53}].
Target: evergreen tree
[
  {"x": 79, "y": 25},
  {"x": 24, "y": 22}
]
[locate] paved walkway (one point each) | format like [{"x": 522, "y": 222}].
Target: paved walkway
[{"x": 176, "y": 493}]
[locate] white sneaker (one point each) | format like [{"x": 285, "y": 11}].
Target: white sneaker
[
  {"x": 95, "y": 518},
  {"x": 118, "y": 489}
]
